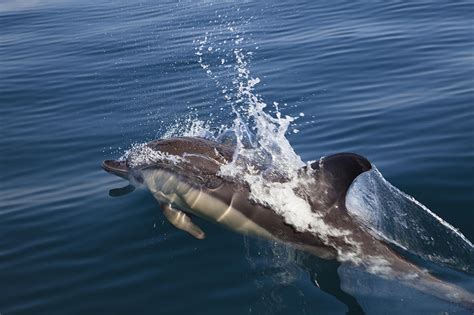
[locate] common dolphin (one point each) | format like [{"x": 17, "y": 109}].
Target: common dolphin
[{"x": 183, "y": 174}]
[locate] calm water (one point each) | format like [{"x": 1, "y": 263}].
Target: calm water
[{"x": 80, "y": 81}]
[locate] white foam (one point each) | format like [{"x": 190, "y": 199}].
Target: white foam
[
  {"x": 378, "y": 265},
  {"x": 141, "y": 155}
]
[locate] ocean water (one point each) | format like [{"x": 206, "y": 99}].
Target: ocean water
[{"x": 81, "y": 81}]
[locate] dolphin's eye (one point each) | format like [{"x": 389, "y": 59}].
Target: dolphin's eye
[
  {"x": 213, "y": 182},
  {"x": 139, "y": 178}
]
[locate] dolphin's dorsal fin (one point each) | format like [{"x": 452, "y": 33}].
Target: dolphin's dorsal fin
[
  {"x": 335, "y": 174},
  {"x": 182, "y": 221}
]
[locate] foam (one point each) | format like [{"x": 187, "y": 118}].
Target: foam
[{"x": 141, "y": 155}]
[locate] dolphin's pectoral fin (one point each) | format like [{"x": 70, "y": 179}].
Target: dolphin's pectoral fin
[
  {"x": 182, "y": 221},
  {"x": 325, "y": 275},
  {"x": 117, "y": 192}
]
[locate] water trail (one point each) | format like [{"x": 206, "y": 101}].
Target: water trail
[{"x": 398, "y": 218}]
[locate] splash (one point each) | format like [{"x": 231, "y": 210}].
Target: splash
[
  {"x": 190, "y": 126},
  {"x": 265, "y": 161},
  {"x": 263, "y": 157},
  {"x": 141, "y": 155}
]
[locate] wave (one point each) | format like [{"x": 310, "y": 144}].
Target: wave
[{"x": 393, "y": 216}]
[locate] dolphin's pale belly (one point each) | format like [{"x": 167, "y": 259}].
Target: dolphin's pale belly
[{"x": 168, "y": 187}]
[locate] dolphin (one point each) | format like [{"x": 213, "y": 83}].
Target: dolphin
[{"x": 183, "y": 174}]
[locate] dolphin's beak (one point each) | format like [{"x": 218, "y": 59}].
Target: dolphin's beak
[{"x": 115, "y": 167}]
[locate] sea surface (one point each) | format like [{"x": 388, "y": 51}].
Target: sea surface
[{"x": 81, "y": 81}]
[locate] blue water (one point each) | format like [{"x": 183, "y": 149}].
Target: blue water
[{"x": 80, "y": 81}]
